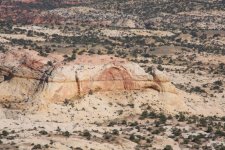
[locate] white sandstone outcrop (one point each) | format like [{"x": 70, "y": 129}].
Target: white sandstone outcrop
[{"x": 25, "y": 75}]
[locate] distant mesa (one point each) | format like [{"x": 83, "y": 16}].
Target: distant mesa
[{"x": 26, "y": 75}]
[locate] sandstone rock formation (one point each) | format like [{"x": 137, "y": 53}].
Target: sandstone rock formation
[{"x": 24, "y": 75}]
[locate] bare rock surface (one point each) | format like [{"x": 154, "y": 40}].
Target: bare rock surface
[{"x": 27, "y": 76}]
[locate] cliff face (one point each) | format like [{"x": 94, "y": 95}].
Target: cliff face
[{"x": 25, "y": 75}]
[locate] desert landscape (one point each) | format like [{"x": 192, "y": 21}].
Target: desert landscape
[{"x": 112, "y": 74}]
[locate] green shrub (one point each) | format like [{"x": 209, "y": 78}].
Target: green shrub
[
  {"x": 162, "y": 118},
  {"x": 176, "y": 131},
  {"x": 38, "y": 146},
  {"x": 168, "y": 147},
  {"x": 220, "y": 133},
  {"x": 5, "y": 133},
  {"x": 87, "y": 134},
  {"x": 66, "y": 134},
  {"x": 115, "y": 132},
  {"x": 43, "y": 132}
]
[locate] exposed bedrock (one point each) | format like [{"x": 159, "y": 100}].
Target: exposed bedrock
[{"x": 25, "y": 75}]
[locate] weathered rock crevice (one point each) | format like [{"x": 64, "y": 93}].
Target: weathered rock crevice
[
  {"x": 78, "y": 83},
  {"x": 45, "y": 78}
]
